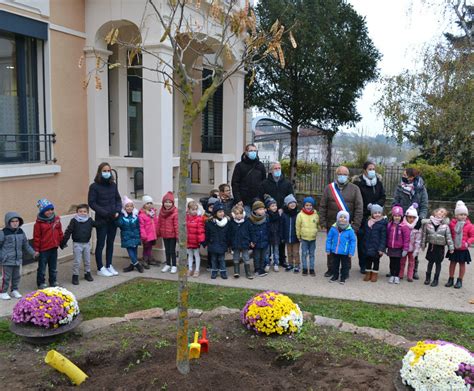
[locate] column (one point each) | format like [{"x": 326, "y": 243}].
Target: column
[
  {"x": 220, "y": 173},
  {"x": 157, "y": 125}
]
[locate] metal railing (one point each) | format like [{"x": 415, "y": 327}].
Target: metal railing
[
  {"x": 211, "y": 143},
  {"x": 27, "y": 148}
]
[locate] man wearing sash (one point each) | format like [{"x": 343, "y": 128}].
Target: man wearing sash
[{"x": 340, "y": 195}]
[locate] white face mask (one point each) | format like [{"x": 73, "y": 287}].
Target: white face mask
[{"x": 371, "y": 174}]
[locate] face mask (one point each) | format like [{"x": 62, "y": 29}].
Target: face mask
[
  {"x": 342, "y": 179},
  {"x": 405, "y": 180},
  {"x": 277, "y": 173},
  {"x": 371, "y": 174},
  {"x": 106, "y": 175},
  {"x": 252, "y": 155}
]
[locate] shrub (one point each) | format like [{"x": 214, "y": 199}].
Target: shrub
[
  {"x": 304, "y": 168},
  {"x": 440, "y": 179}
]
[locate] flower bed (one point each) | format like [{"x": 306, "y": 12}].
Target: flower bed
[
  {"x": 271, "y": 312},
  {"x": 46, "y": 308},
  {"x": 438, "y": 365}
]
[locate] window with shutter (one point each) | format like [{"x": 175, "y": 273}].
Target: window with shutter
[{"x": 211, "y": 134}]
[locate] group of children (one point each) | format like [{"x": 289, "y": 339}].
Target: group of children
[{"x": 222, "y": 227}]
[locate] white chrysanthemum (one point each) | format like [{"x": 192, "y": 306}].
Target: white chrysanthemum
[
  {"x": 73, "y": 308},
  {"x": 296, "y": 317}
]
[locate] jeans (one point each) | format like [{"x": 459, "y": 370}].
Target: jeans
[
  {"x": 218, "y": 262},
  {"x": 308, "y": 247},
  {"x": 82, "y": 251},
  {"x": 259, "y": 259},
  {"x": 395, "y": 266},
  {"x": 10, "y": 274},
  {"x": 193, "y": 254},
  {"x": 411, "y": 266},
  {"x": 47, "y": 258},
  {"x": 106, "y": 232},
  {"x": 245, "y": 256},
  {"x": 372, "y": 264},
  {"x": 274, "y": 251},
  {"x": 133, "y": 254},
  {"x": 342, "y": 262},
  {"x": 170, "y": 251}
]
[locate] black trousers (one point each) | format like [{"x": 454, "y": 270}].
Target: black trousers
[
  {"x": 340, "y": 262},
  {"x": 170, "y": 251},
  {"x": 360, "y": 250},
  {"x": 282, "y": 253},
  {"x": 395, "y": 266},
  {"x": 372, "y": 263}
]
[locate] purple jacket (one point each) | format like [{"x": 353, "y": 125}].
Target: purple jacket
[{"x": 398, "y": 236}]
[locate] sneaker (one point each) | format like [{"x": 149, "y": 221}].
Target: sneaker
[
  {"x": 296, "y": 270},
  {"x": 262, "y": 274},
  {"x": 213, "y": 274},
  {"x": 312, "y": 273},
  {"x": 129, "y": 268},
  {"x": 112, "y": 270},
  {"x": 267, "y": 268},
  {"x": 174, "y": 269},
  {"x": 5, "y": 296},
  {"x": 104, "y": 272},
  {"x": 42, "y": 286},
  {"x": 396, "y": 280},
  {"x": 139, "y": 267},
  {"x": 328, "y": 274},
  {"x": 342, "y": 281},
  {"x": 288, "y": 268},
  {"x": 16, "y": 294},
  {"x": 53, "y": 284},
  {"x": 276, "y": 268},
  {"x": 88, "y": 277},
  {"x": 166, "y": 269},
  {"x": 333, "y": 279},
  {"x": 196, "y": 274},
  {"x": 391, "y": 280},
  {"x": 223, "y": 274},
  {"x": 305, "y": 272}
]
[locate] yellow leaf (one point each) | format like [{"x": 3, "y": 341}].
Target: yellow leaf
[
  {"x": 252, "y": 77},
  {"x": 275, "y": 26},
  {"x": 116, "y": 65},
  {"x": 281, "y": 56},
  {"x": 114, "y": 36},
  {"x": 293, "y": 40},
  {"x": 108, "y": 37},
  {"x": 165, "y": 34}
]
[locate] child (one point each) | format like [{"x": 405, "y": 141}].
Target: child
[
  {"x": 47, "y": 236},
  {"x": 290, "y": 213},
  {"x": 436, "y": 234},
  {"x": 374, "y": 236},
  {"x": 195, "y": 236},
  {"x": 80, "y": 227},
  {"x": 239, "y": 238},
  {"x": 462, "y": 231},
  {"x": 217, "y": 240},
  {"x": 148, "y": 219},
  {"x": 410, "y": 220},
  {"x": 259, "y": 237},
  {"x": 341, "y": 242},
  {"x": 13, "y": 242},
  {"x": 274, "y": 234},
  {"x": 398, "y": 243},
  {"x": 225, "y": 196},
  {"x": 168, "y": 230},
  {"x": 307, "y": 226},
  {"x": 130, "y": 233},
  {"x": 208, "y": 205}
]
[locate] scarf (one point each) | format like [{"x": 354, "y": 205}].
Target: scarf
[
  {"x": 411, "y": 226},
  {"x": 221, "y": 223},
  {"x": 408, "y": 188},
  {"x": 436, "y": 220},
  {"x": 342, "y": 226},
  {"x": 132, "y": 217},
  {"x": 241, "y": 220},
  {"x": 151, "y": 212},
  {"x": 81, "y": 219},
  {"x": 373, "y": 220},
  {"x": 256, "y": 219},
  {"x": 273, "y": 216},
  {"x": 42, "y": 217},
  {"x": 164, "y": 213},
  {"x": 370, "y": 182},
  {"x": 291, "y": 212},
  {"x": 308, "y": 212},
  {"x": 134, "y": 212},
  {"x": 458, "y": 230}
]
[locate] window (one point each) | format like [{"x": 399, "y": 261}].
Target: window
[{"x": 211, "y": 136}]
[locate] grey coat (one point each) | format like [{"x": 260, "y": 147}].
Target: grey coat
[
  {"x": 406, "y": 200},
  {"x": 441, "y": 236},
  {"x": 13, "y": 242}
]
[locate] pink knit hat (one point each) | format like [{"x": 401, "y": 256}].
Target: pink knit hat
[
  {"x": 125, "y": 201},
  {"x": 397, "y": 210}
]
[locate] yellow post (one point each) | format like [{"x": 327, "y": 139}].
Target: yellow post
[{"x": 63, "y": 365}]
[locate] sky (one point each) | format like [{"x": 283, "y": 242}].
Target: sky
[{"x": 399, "y": 30}]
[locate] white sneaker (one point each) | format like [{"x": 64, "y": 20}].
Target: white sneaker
[
  {"x": 112, "y": 270},
  {"x": 275, "y": 268},
  {"x": 104, "y": 272},
  {"x": 16, "y": 294},
  {"x": 5, "y": 296},
  {"x": 174, "y": 269},
  {"x": 267, "y": 268},
  {"x": 396, "y": 280},
  {"x": 391, "y": 280},
  {"x": 166, "y": 269}
]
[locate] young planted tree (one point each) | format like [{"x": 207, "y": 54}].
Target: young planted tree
[{"x": 218, "y": 35}]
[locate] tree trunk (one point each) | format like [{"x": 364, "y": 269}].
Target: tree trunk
[
  {"x": 293, "y": 154},
  {"x": 329, "y": 138}
]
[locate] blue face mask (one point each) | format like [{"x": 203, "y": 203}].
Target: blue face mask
[
  {"x": 342, "y": 179},
  {"x": 106, "y": 174},
  {"x": 371, "y": 174},
  {"x": 252, "y": 155},
  {"x": 277, "y": 173}
]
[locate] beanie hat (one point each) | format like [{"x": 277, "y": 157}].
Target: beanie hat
[
  {"x": 269, "y": 201},
  {"x": 146, "y": 199},
  {"x": 375, "y": 208},
  {"x": 289, "y": 199},
  {"x": 44, "y": 204},
  {"x": 257, "y": 205},
  {"x": 212, "y": 201},
  {"x": 461, "y": 208},
  {"x": 125, "y": 201},
  {"x": 342, "y": 213},
  {"x": 397, "y": 210},
  {"x": 412, "y": 210},
  {"x": 217, "y": 207},
  {"x": 310, "y": 200},
  {"x": 169, "y": 196}
]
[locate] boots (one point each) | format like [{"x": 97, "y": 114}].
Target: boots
[
  {"x": 374, "y": 276},
  {"x": 435, "y": 280},
  {"x": 129, "y": 268},
  {"x": 247, "y": 272},
  {"x": 415, "y": 271},
  {"x": 75, "y": 279},
  {"x": 458, "y": 284},
  {"x": 224, "y": 274},
  {"x": 428, "y": 278},
  {"x": 88, "y": 277},
  {"x": 140, "y": 267},
  {"x": 146, "y": 263},
  {"x": 367, "y": 276},
  {"x": 450, "y": 282},
  {"x": 236, "y": 270}
]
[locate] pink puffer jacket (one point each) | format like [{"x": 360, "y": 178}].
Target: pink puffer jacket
[
  {"x": 148, "y": 224},
  {"x": 467, "y": 234},
  {"x": 398, "y": 236}
]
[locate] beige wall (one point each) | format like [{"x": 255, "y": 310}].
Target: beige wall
[{"x": 68, "y": 13}]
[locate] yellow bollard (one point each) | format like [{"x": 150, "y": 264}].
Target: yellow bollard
[{"x": 63, "y": 365}]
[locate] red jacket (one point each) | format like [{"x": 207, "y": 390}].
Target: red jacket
[
  {"x": 47, "y": 234},
  {"x": 168, "y": 219},
  {"x": 195, "y": 231},
  {"x": 467, "y": 234}
]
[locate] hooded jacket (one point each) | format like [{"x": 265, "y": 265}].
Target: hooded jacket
[
  {"x": 81, "y": 232},
  {"x": 129, "y": 229},
  {"x": 398, "y": 236},
  {"x": 217, "y": 236},
  {"x": 195, "y": 230},
  {"x": 148, "y": 225},
  {"x": 47, "y": 235},
  {"x": 13, "y": 242},
  {"x": 420, "y": 197},
  {"x": 341, "y": 242},
  {"x": 277, "y": 189},
  {"x": 168, "y": 219},
  {"x": 246, "y": 179}
]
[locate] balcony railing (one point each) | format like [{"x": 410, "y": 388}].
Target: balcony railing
[{"x": 27, "y": 148}]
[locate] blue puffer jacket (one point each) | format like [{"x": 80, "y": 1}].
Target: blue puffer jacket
[
  {"x": 259, "y": 232},
  {"x": 341, "y": 242},
  {"x": 216, "y": 236},
  {"x": 375, "y": 238},
  {"x": 288, "y": 226},
  {"x": 105, "y": 200},
  {"x": 129, "y": 230},
  {"x": 239, "y": 235}
]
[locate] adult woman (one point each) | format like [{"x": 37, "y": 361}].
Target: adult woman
[
  {"x": 105, "y": 200},
  {"x": 412, "y": 190},
  {"x": 373, "y": 192}
]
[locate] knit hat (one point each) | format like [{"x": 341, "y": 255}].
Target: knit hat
[
  {"x": 289, "y": 199},
  {"x": 342, "y": 213},
  {"x": 269, "y": 201},
  {"x": 212, "y": 201},
  {"x": 412, "y": 210},
  {"x": 217, "y": 207},
  {"x": 375, "y": 208},
  {"x": 146, "y": 199},
  {"x": 169, "y": 196},
  {"x": 461, "y": 208},
  {"x": 257, "y": 205},
  {"x": 44, "y": 204},
  {"x": 125, "y": 201},
  {"x": 310, "y": 200},
  {"x": 397, "y": 210}
]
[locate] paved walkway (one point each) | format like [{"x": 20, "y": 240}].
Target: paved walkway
[{"x": 410, "y": 294}]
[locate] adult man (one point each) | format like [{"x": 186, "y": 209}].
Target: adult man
[
  {"x": 340, "y": 195},
  {"x": 248, "y": 175}
]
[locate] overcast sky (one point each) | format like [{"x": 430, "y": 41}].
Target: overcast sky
[{"x": 399, "y": 30}]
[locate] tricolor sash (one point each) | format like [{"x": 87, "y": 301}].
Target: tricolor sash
[{"x": 336, "y": 194}]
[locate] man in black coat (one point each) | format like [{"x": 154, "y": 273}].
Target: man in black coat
[{"x": 248, "y": 175}]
